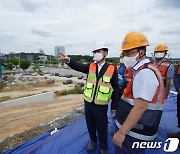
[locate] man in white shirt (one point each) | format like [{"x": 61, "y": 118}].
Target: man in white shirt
[{"x": 140, "y": 108}]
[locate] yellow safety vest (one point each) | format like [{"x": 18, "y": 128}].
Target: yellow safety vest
[{"x": 98, "y": 91}]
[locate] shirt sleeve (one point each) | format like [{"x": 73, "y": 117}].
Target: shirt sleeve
[
  {"x": 145, "y": 85},
  {"x": 68, "y": 61},
  {"x": 84, "y": 68},
  {"x": 176, "y": 80},
  {"x": 170, "y": 71},
  {"x": 115, "y": 94}
]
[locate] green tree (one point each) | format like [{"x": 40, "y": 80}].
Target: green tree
[
  {"x": 5, "y": 61},
  {"x": 9, "y": 66},
  {"x": 24, "y": 64},
  {"x": 14, "y": 61}
]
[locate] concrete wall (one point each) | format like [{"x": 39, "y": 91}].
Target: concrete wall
[{"x": 44, "y": 97}]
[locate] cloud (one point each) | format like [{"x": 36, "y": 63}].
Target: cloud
[
  {"x": 175, "y": 4},
  {"x": 171, "y": 31},
  {"x": 30, "y": 6},
  {"x": 142, "y": 29},
  {"x": 41, "y": 33},
  {"x": 6, "y": 37},
  {"x": 77, "y": 24}
]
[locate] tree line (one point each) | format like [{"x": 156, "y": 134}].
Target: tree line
[{"x": 11, "y": 61}]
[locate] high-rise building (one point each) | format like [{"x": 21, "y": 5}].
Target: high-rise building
[
  {"x": 0, "y": 53},
  {"x": 58, "y": 49},
  {"x": 41, "y": 51}
]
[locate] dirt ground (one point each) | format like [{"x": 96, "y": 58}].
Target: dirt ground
[
  {"x": 18, "y": 123},
  {"x": 22, "y": 89},
  {"x": 20, "y": 118}
]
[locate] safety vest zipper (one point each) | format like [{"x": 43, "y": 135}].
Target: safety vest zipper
[{"x": 95, "y": 90}]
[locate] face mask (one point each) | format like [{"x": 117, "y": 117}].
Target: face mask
[
  {"x": 97, "y": 57},
  {"x": 159, "y": 55},
  {"x": 129, "y": 62},
  {"x": 121, "y": 60}
]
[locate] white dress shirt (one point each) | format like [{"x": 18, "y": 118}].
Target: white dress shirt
[
  {"x": 145, "y": 82},
  {"x": 100, "y": 66}
]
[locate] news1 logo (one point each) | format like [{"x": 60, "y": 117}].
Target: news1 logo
[{"x": 170, "y": 145}]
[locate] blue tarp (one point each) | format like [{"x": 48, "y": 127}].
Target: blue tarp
[{"x": 74, "y": 138}]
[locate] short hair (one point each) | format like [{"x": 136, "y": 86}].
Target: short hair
[
  {"x": 142, "y": 48},
  {"x": 105, "y": 49}
]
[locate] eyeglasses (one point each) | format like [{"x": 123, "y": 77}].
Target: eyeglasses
[
  {"x": 96, "y": 51},
  {"x": 129, "y": 53}
]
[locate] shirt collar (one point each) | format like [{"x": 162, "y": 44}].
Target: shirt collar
[
  {"x": 158, "y": 62},
  {"x": 101, "y": 64},
  {"x": 141, "y": 63}
]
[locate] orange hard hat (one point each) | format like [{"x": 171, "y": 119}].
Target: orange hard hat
[
  {"x": 161, "y": 48},
  {"x": 134, "y": 40}
]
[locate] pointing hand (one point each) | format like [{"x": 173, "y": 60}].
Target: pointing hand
[{"x": 64, "y": 57}]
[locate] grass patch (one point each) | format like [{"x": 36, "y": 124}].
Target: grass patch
[
  {"x": 4, "y": 98},
  {"x": 2, "y": 85},
  {"x": 78, "y": 90}
]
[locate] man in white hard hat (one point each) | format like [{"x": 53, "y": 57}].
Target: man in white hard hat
[{"x": 101, "y": 86}]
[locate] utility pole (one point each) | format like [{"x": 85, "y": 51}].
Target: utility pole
[
  {"x": 50, "y": 63},
  {"x": 50, "y": 58},
  {"x": 19, "y": 61},
  {"x": 19, "y": 58}
]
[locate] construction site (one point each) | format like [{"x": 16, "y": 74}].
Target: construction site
[
  {"x": 89, "y": 77},
  {"x": 33, "y": 106},
  {"x": 18, "y": 118}
]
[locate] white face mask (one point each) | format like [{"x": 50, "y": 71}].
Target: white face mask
[
  {"x": 129, "y": 62},
  {"x": 97, "y": 57},
  {"x": 159, "y": 55}
]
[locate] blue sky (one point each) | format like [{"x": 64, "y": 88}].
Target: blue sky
[{"x": 27, "y": 25}]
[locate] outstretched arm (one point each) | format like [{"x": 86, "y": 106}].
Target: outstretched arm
[{"x": 84, "y": 68}]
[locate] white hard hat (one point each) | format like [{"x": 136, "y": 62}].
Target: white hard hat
[{"x": 100, "y": 45}]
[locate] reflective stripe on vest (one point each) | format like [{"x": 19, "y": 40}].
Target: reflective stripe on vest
[
  {"x": 154, "y": 109},
  {"x": 159, "y": 95},
  {"x": 138, "y": 136},
  {"x": 151, "y": 106},
  {"x": 128, "y": 74},
  {"x": 163, "y": 68},
  {"x": 103, "y": 90}
]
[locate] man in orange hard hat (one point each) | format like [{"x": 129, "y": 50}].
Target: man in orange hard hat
[
  {"x": 140, "y": 107},
  {"x": 166, "y": 68}
]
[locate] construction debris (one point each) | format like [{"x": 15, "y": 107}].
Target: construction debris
[
  {"x": 50, "y": 81},
  {"x": 10, "y": 78}
]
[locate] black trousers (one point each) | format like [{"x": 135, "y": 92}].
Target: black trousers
[
  {"x": 178, "y": 109},
  {"x": 96, "y": 120}
]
